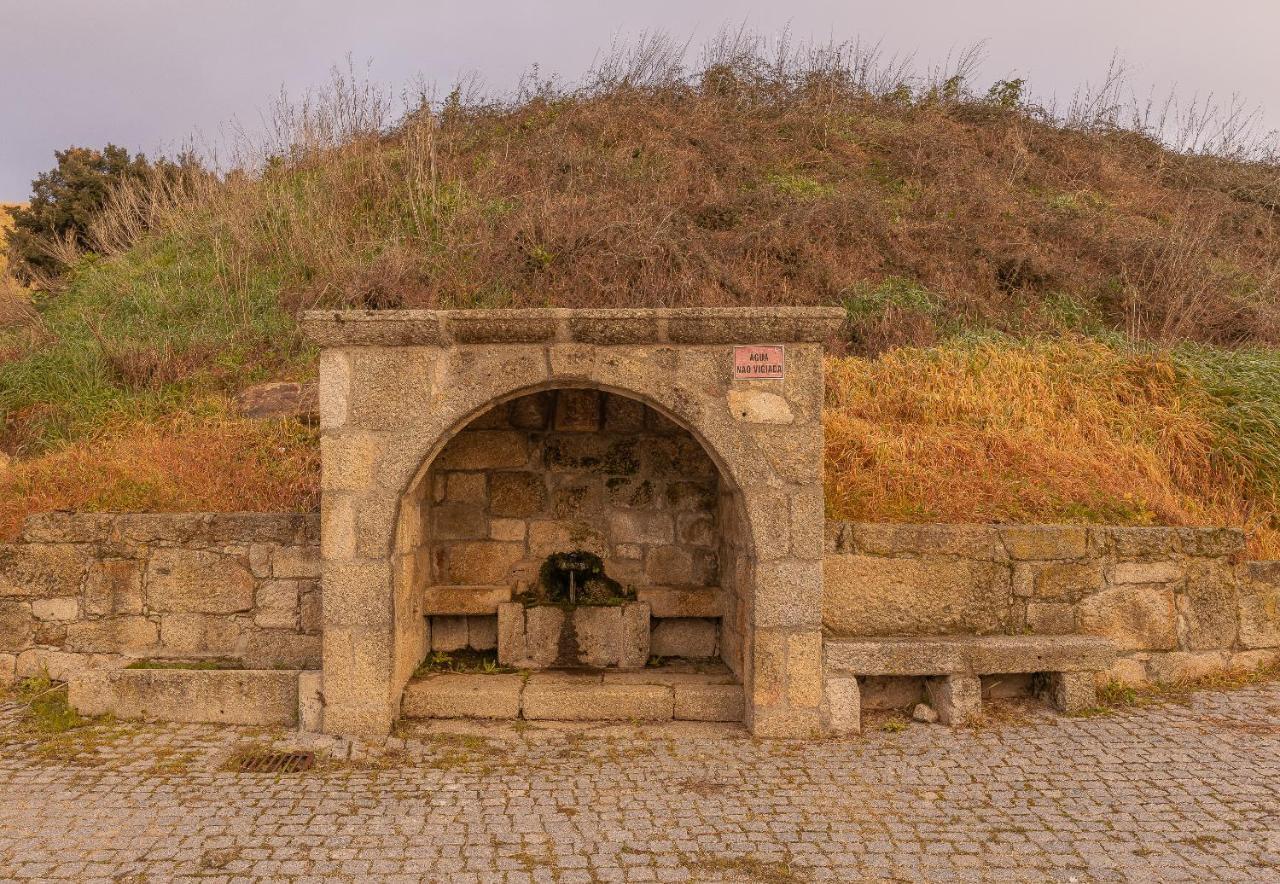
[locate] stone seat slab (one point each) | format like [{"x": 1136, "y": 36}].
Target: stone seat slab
[
  {"x": 677, "y": 601},
  {"x": 971, "y": 655},
  {"x": 457, "y": 601}
]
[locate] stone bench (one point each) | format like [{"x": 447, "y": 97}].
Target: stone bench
[{"x": 953, "y": 667}]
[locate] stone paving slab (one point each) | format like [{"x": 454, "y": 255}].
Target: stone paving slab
[{"x": 1164, "y": 793}]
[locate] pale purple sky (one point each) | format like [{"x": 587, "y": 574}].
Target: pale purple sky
[{"x": 149, "y": 73}]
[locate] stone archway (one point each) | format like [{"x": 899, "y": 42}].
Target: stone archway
[{"x": 396, "y": 386}]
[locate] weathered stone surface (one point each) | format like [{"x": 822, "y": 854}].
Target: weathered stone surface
[
  {"x": 708, "y": 702},
  {"x": 511, "y": 530},
  {"x": 1051, "y": 618},
  {"x": 310, "y": 701},
  {"x": 1057, "y": 581},
  {"x": 1250, "y": 660},
  {"x": 197, "y": 581},
  {"x": 113, "y": 635},
  {"x": 547, "y": 536},
  {"x": 634, "y": 638},
  {"x": 296, "y": 562},
  {"x": 1072, "y": 692},
  {"x": 67, "y": 608},
  {"x": 578, "y": 411},
  {"x": 448, "y": 633},
  {"x": 1181, "y": 666},
  {"x": 68, "y": 527},
  {"x": 17, "y": 625},
  {"x": 591, "y": 701},
  {"x": 756, "y": 406},
  {"x": 199, "y": 635},
  {"x": 1146, "y": 572},
  {"x": 642, "y": 527},
  {"x": 217, "y": 697},
  {"x": 8, "y": 669},
  {"x": 977, "y": 542},
  {"x": 1131, "y": 670},
  {"x": 1220, "y": 542},
  {"x": 278, "y": 399},
  {"x": 688, "y": 325},
  {"x": 458, "y": 521},
  {"x": 1140, "y": 543},
  {"x": 876, "y": 595},
  {"x": 36, "y": 570},
  {"x": 464, "y": 696},
  {"x": 511, "y": 633},
  {"x": 276, "y": 604},
  {"x": 841, "y": 705},
  {"x": 459, "y": 600},
  {"x": 597, "y": 633},
  {"x": 484, "y": 450},
  {"x": 482, "y": 563},
  {"x": 938, "y": 655},
  {"x": 281, "y": 649},
  {"x": 1045, "y": 542},
  {"x": 684, "y": 637},
  {"x": 956, "y": 698},
  {"x": 517, "y": 495},
  {"x": 924, "y": 713},
  {"x": 1207, "y": 606},
  {"x": 674, "y": 566},
  {"x": 666, "y": 601},
  {"x": 1259, "y": 605},
  {"x": 1136, "y": 617},
  {"x": 786, "y": 595}
]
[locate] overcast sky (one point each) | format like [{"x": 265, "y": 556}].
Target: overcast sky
[{"x": 149, "y": 73}]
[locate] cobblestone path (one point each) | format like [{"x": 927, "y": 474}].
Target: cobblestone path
[{"x": 1164, "y": 793}]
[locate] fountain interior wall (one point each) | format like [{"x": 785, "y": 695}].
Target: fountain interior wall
[{"x": 577, "y": 471}]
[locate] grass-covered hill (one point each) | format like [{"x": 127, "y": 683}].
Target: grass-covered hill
[{"x": 1050, "y": 319}]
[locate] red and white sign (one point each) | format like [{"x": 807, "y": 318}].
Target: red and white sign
[{"x": 758, "y": 363}]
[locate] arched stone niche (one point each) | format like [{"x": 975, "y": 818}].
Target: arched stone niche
[{"x": 397, "y": 387}]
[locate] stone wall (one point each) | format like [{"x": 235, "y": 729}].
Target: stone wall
[
  {"x": 565, "y": 470},
  {"x": 1176, "y": 601},
  {"x": 96, "y": 590}
]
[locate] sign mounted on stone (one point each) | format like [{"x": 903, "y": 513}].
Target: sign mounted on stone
[{"x": 754, "y": 363}]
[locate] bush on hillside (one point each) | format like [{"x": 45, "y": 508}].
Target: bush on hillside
[{"x": 55, "y": 225}]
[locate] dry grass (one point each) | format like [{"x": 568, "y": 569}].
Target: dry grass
[
  {"x": 1064, "y": 431},
  {"x": 15, "y": 301},
  {"x": 811, "y": 178},
  {"x": 818, "y": 176},
  {"x": 180, "y": 465}
]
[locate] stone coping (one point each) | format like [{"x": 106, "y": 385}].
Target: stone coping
[
  {"x": 65, "y": 526},
  {"x": 968, "y": 654},
  {"x": 670, "y": 325},
  {"x": 1029, "y": 542}
]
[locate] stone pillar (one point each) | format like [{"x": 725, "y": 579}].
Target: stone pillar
[
  {"x": 1073, "y": 691},
  {"x": 956, "y": 698},
  {"x": 842, "y": 705}
]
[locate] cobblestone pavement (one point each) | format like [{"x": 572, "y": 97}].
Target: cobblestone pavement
[{"x": 1166, "y": 793}]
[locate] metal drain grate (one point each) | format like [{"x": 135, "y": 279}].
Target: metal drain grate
[{"x": 274, "y": 762}]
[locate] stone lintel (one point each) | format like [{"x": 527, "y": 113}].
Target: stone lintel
[{"x": 679, "y": 325}]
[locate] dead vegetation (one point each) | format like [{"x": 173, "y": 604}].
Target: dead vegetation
[
  {"x": 816, "y": 175},
  {"x": 1021, "y": 284}
]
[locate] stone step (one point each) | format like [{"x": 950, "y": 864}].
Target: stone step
[{"x": 593, "y": 695}]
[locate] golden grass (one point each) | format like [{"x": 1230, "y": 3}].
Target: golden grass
[
  {"x": 14, "y": 299},
  {"x": 1061, "y": 431},
  {"x": 182, "y": 465}
]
